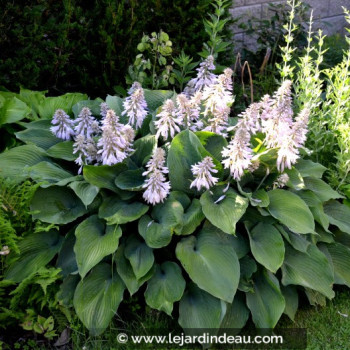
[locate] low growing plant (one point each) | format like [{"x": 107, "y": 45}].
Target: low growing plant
[{"x": 169, "y": 197}]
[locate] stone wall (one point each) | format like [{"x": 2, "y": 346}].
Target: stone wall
[{"x": 328, "y": 15}]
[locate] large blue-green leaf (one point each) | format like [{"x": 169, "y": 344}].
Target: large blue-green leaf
[
  {"x": 97, "y": 297},
  {"x": 339, "y": 215},
  {"x": 321, "y": 189},
  {"x": 66, "y": 260},
  {"x": 223, "y": 209},
  {"x": 14, "y": 162},
  {"x": 291, "y": 211},
  {"x": 40, "y": 137},
  {"x": 85, "y": 191},
  {"x": 311, "y": 270},
  {"x": 267, "y": 246},
  {"x": 103, "y": 176},
  {"x": 155, "y": 98},
  {"x": 13, "y": 110},
  {"x": 199, "y": 309},
  {"x": 140, "y": 256},
  {"x": 131, "y": 180},
  {"x": 32, "y": 98},
  {"x": 185, "y": 150},
  {"x": 211, "y": 262},
  {"x": 49, "y": 106},
  {"x": 144, "y": 148},
  {"x": 94, "y": 241},
  {"x": 116, "y": 211},
  {"x": 237, "y": 313},
  {"x": 309, "y": 168},
  {"x": 56, "y": 205},
  {"x": 127, "y": 274},
  {"x": 292, "y": 300},
  {"x": 37, "y": 249},
  {"x": 266, "y": 302},
  {"x": 165, "y": 287},
  {"x": 62, "y": 150},
  {"x": 93, "y": 105},
  {"x": 192, "y": 218},
  {"x": 212, "y": 142}
]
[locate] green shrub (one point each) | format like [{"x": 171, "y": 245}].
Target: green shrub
[{"x": 87, "y": 46}]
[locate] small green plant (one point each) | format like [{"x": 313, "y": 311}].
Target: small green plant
[{"x": 39, "y": 324}]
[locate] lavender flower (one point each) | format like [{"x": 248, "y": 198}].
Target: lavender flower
[
  {"x": 168, "y": 122},
  {"x": 217, "y": 101},
  {"x": 238, "y": 154},
  {"x": 281, "y": 180},
  {"x": 86, "y": 123},
  {"x": 63, "y": 125},
  {"x": 202, "y": 171},
  {"x": 157, "y": 189},
  {"x": 103, "y": 109},
  {"x": 87, "y": 150},
  {"x": 188, "y": 111},
  {"x": 135, "y": 106},
  {"x": 204, "y": 77},
  {"x": 116, "y": 140}
]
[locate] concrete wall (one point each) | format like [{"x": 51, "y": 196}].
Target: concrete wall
[{"x": 328, "y": 15}]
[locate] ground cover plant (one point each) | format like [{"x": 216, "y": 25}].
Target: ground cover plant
[{"x": 210, "y": 218}]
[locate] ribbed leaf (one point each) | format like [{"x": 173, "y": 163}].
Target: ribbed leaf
[
  {"x": 37, "y": 249},
  {"x": 85, "y": 191},
  {"x": 225, "y": 213},
  {"x": 56, "y": 205},
  {"x": 126, "y": 272},
  {"x": 13, "y": 110},
  {"x": 131, "y": 180},
  {"x": 211, "y": 261},
  {"x": 165, "y": 287},
  {"x": 212, "y": 142},
  {"x": 309, "y": 168},
  {"x": 198, "y": 309},
  {"x": 62, "y": 150},
  {"x": 66, "y": 260},
  {"x": 339, "y": 215},
  {"x": 310, "y": 270},
  {"x": 93, "y": 105},
  {"x": 193, "y": 217},
  {"x": 140, "y": 256},
  {"x": 292, "y": 300},
  {"x": 40, "y": 137},
  {"x": 116, "y": 211},
  {"x": 321, "y": 189},
  {"x": 97, "y": 298},
  {"x": 237, "y": 313},
  {"x": 155, "y": 234},
  {"x": 340, "y": 255},
  {"x": 266, "y": 303},
  {"x": 143, "y": 147},
  {"x": 155, "y": 98},
  {"x": 13, "y": 163},
  {"x": 267, "y": 246},
  {"x": 94, "y": 241},
  {"x": 291, "y": 211}
]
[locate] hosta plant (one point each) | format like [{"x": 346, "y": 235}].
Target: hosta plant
[{"x": 169, "y": 197}]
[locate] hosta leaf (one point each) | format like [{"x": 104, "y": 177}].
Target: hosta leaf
[
  {"x": 225, "y": 213},
  {"x": 155, "y": 234},
  {"x": 295, "y": 179},
  {"x": 62, "y": 150},
  {"x": 260, "y": 198},
  {"x": 185, "y": 151},
  {"x": 56, "y": 205},
  {"x": 144, "y": 148},
  {"x": 94, "y": 241},
  {"x": 291, "y": 211},
  {"x": 309, "y": 168},
  {"x": 321, "y": 189},
  {"x": 237, "y": 313},
  {"x": 165, "y": 287},
  {"x": 48, "y": 172},
  {"x": 116, "y": 211},
  {"x": 32, "y": 98},
  {"x": 266, "y": 303},
  {"x": 292, "y": 300},
  {"x": 267, "y": 246},
  {"x": 193, "y": 217},
  {"x": 131, "y": 180},
  {"x": 65, "y": 294},
  {"x": 37, "y": 249},
  {"x": 13, "y": 163},
  {"x": 140, "y": 256},
  {"x": 49, "y": 106},
  {"x": 340, "y": 255},
  {"x": 103, "y": 176},
  {"x": 339, "y": 215},
  {"x": 66, "y": 260},
  {"x": 212, "y": 142},
  {"x": 39, "y": 137},
  {"x": 155, "y": 98},
  {"x": 85, "y": 191},
  {"x": 13, "y": 110},
  {"x": 198, "y": 309},
  {"x": 97, "y": 297},
  {"x": 211, "y": 261},
  {"x": 310, "y": 270},
  {"x": 126, "y": 272},
  {"x": 116, "y": 103}
]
